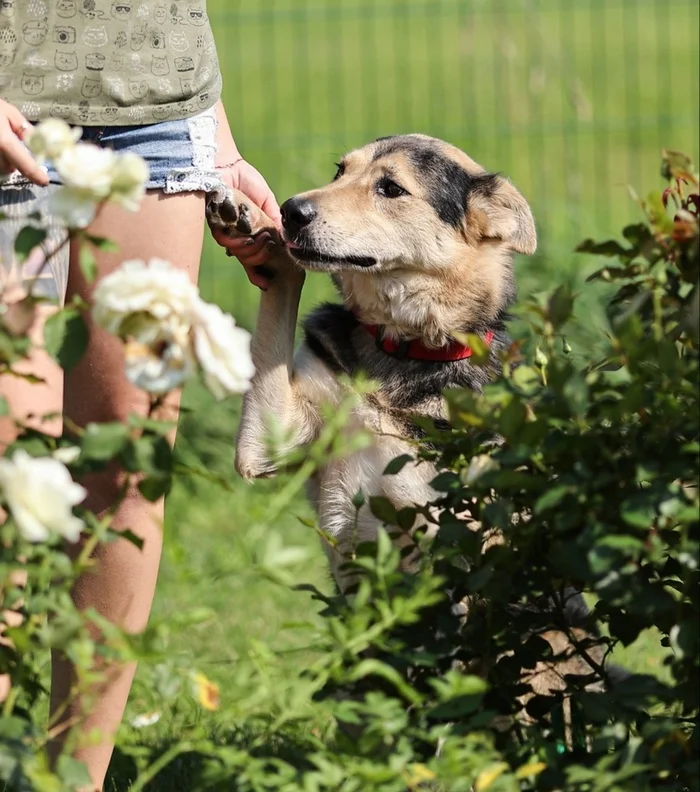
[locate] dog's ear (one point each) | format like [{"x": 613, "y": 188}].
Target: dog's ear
[{"x": 505, "y": 214}]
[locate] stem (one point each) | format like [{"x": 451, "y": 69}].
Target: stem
[
  {"x": 163, "y": 760},
  {"x": 48, "y": 258}
]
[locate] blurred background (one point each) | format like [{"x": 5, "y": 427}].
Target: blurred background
[{"x": 572, "y": 99}]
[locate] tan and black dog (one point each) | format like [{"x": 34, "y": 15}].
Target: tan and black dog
[{"x": 419, "y": 240}]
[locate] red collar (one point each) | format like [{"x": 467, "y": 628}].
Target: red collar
[{"x": 416, "y": 349}]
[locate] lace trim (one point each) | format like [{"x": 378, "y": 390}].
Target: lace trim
[{"x": 202, "y": 175}]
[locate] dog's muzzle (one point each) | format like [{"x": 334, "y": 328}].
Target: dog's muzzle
[{"x": 297, "y": 213}]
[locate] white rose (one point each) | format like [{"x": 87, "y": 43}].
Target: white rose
[
  {"x": 158, "y": 354},
  {"x": 75, "y": 208},
  {"x": 222, "y": 350},
  {"x": 50, "y": 138},
  {"x": 129, "y": 181},
  {"x": 40, "y": 495},
  {"x": 156, "y": 289},
  {"x": 87, "y": 167}
]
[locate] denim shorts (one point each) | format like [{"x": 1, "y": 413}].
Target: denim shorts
[
  {"x": 179, "y": 154},
  {"x": 180, "y": 157}
]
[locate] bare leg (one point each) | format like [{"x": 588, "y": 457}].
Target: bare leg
[{"x": 122, "y": 586}]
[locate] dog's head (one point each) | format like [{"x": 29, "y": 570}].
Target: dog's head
[{"x": 415, "y": 208}]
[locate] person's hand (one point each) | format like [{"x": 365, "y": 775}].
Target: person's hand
[
  {"x": 13, "y": 154},
  {"x": 252, "y": 252}
]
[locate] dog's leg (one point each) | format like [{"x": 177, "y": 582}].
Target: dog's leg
[{"x": 273, "y": 396}]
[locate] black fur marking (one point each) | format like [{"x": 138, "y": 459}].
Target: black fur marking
[
  {"x": 448, "y": 185},
  {"x": 334, "y": 334},
  {"x": 328, "y": 330}
]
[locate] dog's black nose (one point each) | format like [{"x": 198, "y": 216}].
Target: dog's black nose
[{"x": 297, "y": 213}]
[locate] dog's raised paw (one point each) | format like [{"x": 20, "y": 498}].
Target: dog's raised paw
[{"x": 234, "y": 214}]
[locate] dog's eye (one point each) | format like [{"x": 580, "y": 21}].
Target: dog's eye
[
  {"x": 390, "y": 189},
  {"x": 340, "y": 171}
]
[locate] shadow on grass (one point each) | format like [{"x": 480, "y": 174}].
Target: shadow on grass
[{"x": 193, "y": 771}]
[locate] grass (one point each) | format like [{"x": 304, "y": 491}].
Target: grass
[{"x": 572, "y": 100}]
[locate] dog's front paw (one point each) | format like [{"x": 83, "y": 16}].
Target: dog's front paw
[{"x": 235, "y": 214}]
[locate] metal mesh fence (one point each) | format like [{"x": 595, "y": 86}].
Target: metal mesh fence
[{"x": 573, "y": 100}]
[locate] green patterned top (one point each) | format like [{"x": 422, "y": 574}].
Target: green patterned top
[{"x": 108, "y": 62}]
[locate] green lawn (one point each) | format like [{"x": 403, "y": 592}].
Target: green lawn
[{"x": 572, "y": 100}]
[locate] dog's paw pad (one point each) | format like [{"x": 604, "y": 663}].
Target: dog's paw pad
[
  {"x": 221, "y": 211},
  {"x": 243, "y": 223}
]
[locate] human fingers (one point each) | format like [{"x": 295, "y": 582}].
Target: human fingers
[{"x": 13, "y": 154}]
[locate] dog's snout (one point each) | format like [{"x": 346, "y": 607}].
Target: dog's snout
[{"x": 297, "y": 213}]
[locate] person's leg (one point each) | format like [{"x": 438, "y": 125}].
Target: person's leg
[{"x": 122, "y": 586}]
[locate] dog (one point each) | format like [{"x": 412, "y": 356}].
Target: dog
[{"x": 419, "y": 240}]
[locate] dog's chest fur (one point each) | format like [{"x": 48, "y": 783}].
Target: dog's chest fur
[{"x": 337, "y": 344}]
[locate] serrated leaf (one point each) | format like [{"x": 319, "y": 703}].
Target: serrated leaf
[
  {"x": 88, "y": 264},
  {"x": 66, "y": 337},
  {"x": 675, "y": 165},
  {"x": 102, "y": 243},
  {"x": 446, "y": 482},
  {"x": 27, "y": 239},
  {"x": 72, "y": 772},
  {"x": 154, "y": 488},
  {"x": 638, "y": 511},
  {"x": 480, "y": 349},
  {"x": 102, "y": 442},
  {"x": 397, "y": 465},
  {"x": 553, "y": 497},
  {"x": 610, "y": 248},
  {"x": 129, "y": 535},
  {"x": 383, "y": 509},
  {"x": 560, "y": 306}
]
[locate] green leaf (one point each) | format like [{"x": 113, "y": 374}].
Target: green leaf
[
  {"x": 406, "y": 517},
  {"x": 129, "y": 535},
  {"x": 372, "y": 667},
  {"x": 383, "y": 509},
  {"x": 27, "y": 239},
  {"x": 102, "y": 243},
  {"x": 154, "y": 488},
  {"x": 102, "y": 442},
  {"x": 528, "y": 379},
  {"x": 576, "y": 393},
  {"x": 560, "y": 306},
  {"x": 447, "y": 481},
  {"x": 675, "y": 165},
  {"x": 66, "y": 337},
  {"x": 4, "y": 407},
  {"x": 553, "y": 497},
  {"x": 72, "y": 772},
  {"x": 88, "y": 263},
  {"x": 397, "y": 465},
  {"x": 610, "y": 248},
  {"x": 480, "y": 349},
  {"x": 638, "y": 511}
]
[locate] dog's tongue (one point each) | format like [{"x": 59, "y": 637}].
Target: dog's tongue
[{"x": 292, "y": 245}]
